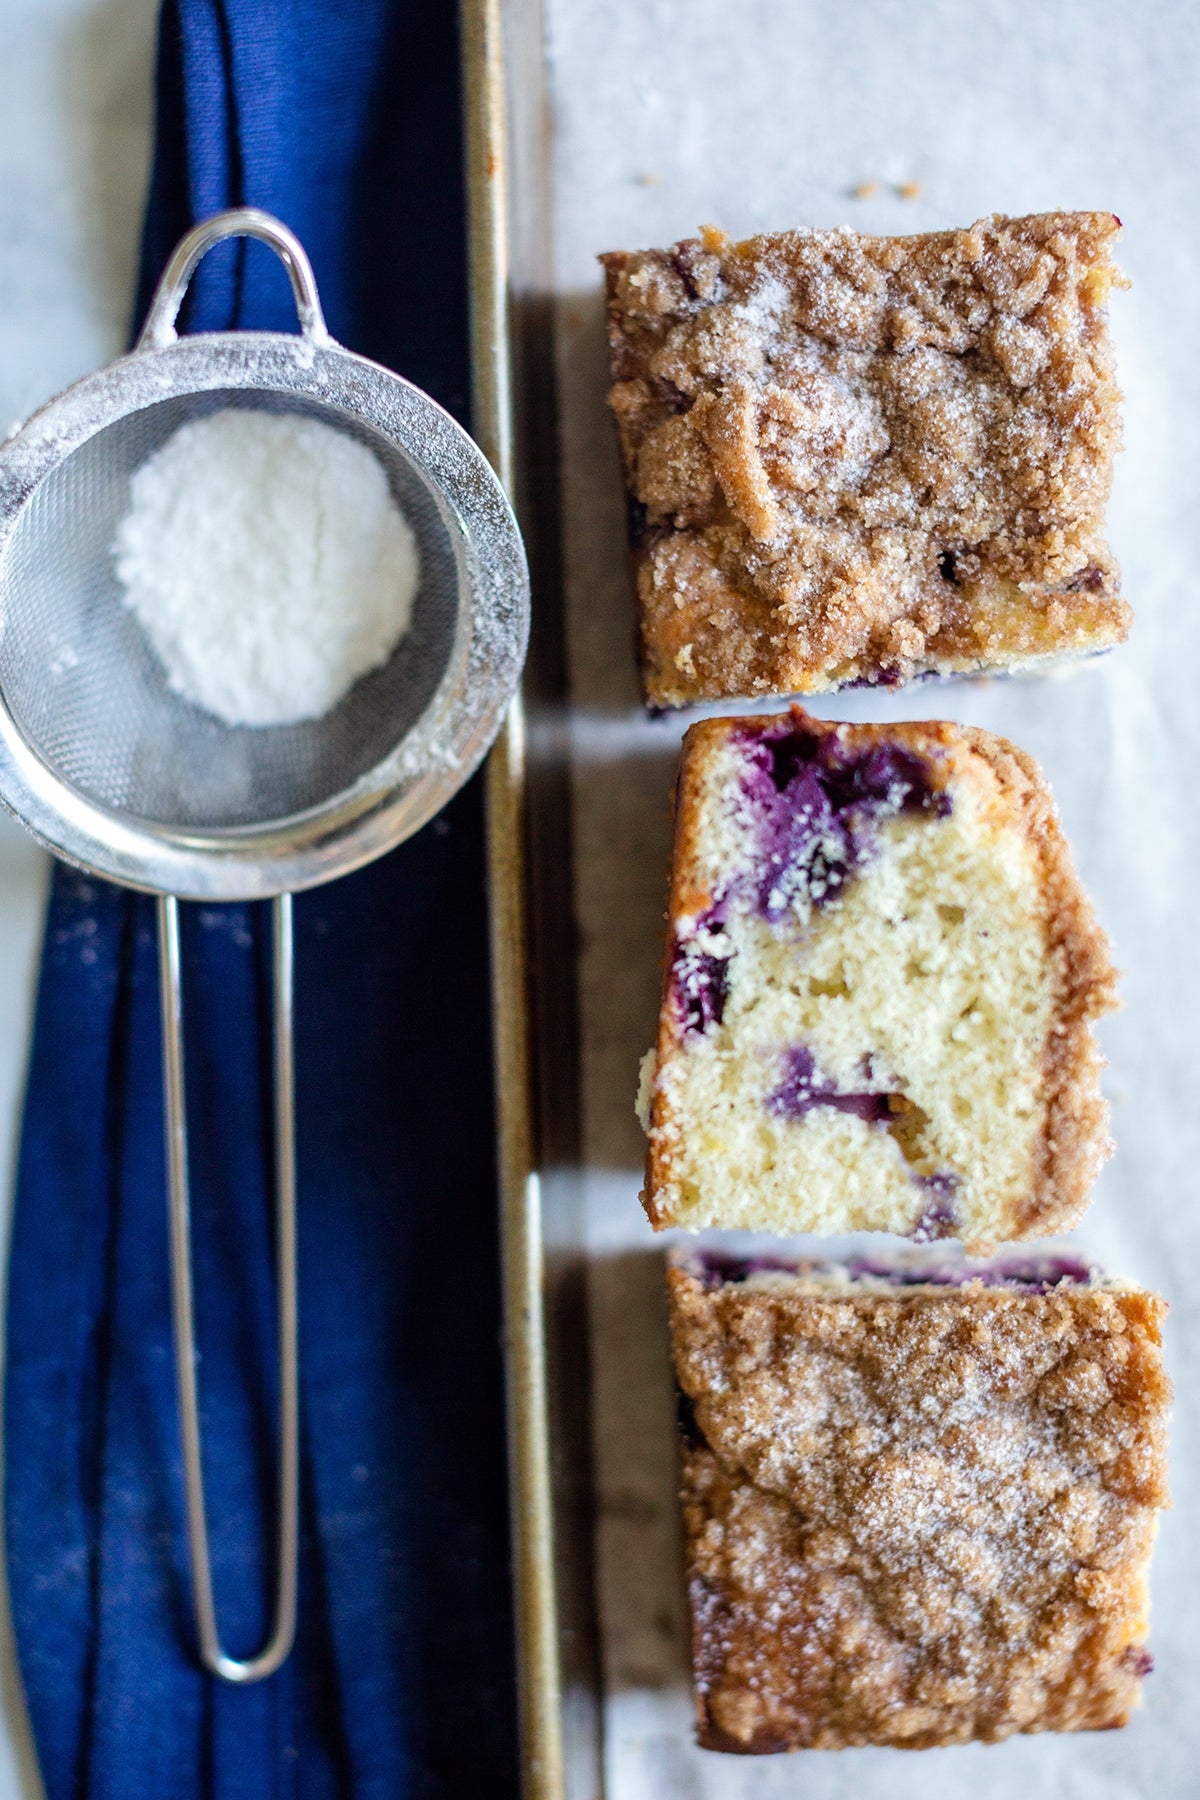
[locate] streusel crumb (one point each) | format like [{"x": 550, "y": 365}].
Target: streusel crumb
[
  {"x": 917, "y": 1518},
  {"x": 858, "y": 459}
]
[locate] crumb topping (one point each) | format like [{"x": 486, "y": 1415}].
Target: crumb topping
[
  {"x": 921, "y": 1518},
  {"x": 854, "y": 456}
]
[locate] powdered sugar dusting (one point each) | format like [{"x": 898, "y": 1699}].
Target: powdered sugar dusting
[
  {"x": 764, "y": 307},
  {"x": 268, "y": 564}
]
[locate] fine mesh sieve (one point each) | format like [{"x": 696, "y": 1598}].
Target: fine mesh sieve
[
  {"x": 113, "y": 770},
  {"x": 90, "y": 696}
]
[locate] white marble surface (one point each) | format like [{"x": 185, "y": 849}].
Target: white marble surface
[
  {"x": 673, "y": 113},
  {"x": 75, "y": 131}
]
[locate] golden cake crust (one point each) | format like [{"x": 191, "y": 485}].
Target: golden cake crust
[
  {"x": 920, "y": 1519},
  {"x": 856, "y": 458},
  {"x": 1074, "y": 1139}
]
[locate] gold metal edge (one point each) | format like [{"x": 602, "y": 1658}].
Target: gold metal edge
[{"x": 538, "y": 1666}]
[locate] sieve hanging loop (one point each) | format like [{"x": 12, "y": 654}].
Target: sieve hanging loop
[
  {"x": 242, "y": 221},
  {"x": 283, "y": 1628}
]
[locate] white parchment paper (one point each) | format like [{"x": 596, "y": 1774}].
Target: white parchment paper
[{"x": 673, "y": 113}]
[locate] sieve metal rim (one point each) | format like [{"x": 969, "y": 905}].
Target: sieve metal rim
[{"x": 445, "y": 744}]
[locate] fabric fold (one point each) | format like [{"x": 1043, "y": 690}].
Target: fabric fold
[{"x": 402, "y": 1679}]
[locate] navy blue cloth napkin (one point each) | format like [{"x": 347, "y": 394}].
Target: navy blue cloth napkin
[{"x": 341, "y": 116}]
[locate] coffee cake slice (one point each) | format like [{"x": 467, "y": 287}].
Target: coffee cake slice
[
  {"x": 855, "y": 459},
  {"x": 881, "y": 980},
  {"x": 919, "y": 1509}
]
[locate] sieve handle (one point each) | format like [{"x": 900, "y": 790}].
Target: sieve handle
[
  {"x": 283, "y": 1629},
  {"x": 239, "y": 221}
]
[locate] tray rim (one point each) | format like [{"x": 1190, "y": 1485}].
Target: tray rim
[{"x": 559, "y": 1749}]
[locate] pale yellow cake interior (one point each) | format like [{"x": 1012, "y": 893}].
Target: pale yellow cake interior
[{"x": 928, "y": 978}]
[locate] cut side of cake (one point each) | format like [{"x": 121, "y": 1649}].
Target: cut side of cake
[
  {"x": 918, "y": 1510},
  {"x": 854, "y": 459},
  {"x": 879, "y": 992}
]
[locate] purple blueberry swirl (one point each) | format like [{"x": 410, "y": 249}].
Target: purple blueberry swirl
[
  {"x": 802, "y": 1088},
  {"x": 700, "y": 971},
  {"x": 817, "y": 806}
]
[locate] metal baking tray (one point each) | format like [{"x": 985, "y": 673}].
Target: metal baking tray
[
  {"x": 531, "y": 934},
  {"x": 639, "y": 154}
]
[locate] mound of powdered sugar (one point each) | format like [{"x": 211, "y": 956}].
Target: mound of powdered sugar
[{"x": 268, "y": 564}]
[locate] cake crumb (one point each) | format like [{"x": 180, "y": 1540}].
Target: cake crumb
[
  {"x": 880, "y": 989},
  {"x": 645, "y": 1091},
  {"x": 865, "y": 190},
  {"x": 909, "y": 190}
]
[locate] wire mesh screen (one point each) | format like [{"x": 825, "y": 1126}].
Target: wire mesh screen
[{"x": 92, "y": 699}]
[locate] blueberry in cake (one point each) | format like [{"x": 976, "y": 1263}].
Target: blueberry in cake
[
  {"x": 855, "y": 459},
  {"x": 919, "y": 1509},
  {"x": 879, "y": 992}
]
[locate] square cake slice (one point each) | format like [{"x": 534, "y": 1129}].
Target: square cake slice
[
  {"x": 919, "y": 1510},
  {"x": 879, "y": 989},
  {"x": 856, "y": 459}
]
